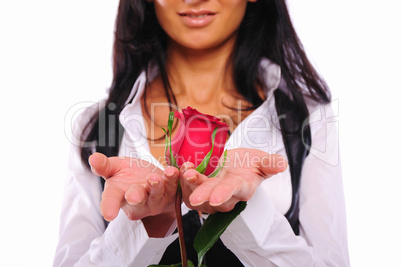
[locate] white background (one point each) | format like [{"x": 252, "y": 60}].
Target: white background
[{"x": 56, "y": 54}]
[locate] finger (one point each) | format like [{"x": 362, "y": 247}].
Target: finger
[
  {"x": 226, "y": 189},
  {"x": 145, "y": 200},
  {"x": 102, "y": 165},
  {"x": 155, "y": 188},
  {"x": 226, "y": 206},
  {"x": 271, "y": 164},
  {"x": 202, "y": 193},
  {"x": 112, "y": 199},
  {"x": 136, "y": 195},
  {"x": 170, "y": 178},
  {"x": 193, "y": 178},
  {"x": 190, "y": 180},
  {"x": 135, "y": 206},
  {"x": 160, "y": 197}
]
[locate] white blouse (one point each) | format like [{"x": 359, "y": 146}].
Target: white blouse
[{"x": 259, "y": 236}]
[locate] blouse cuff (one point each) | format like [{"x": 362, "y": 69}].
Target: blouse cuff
[
  {"x": 247, "y": 231},
  {"x": 129, "y": 242}
]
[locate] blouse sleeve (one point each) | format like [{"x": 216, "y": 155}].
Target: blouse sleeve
[
  {"x": 83, "y": 238},
  {"x": 261, "y": 236}
]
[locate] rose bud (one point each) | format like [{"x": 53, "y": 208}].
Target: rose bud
[{"x": 193, "y": 139}]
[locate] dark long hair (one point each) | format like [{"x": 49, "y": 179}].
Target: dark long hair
[{"x": 265, "y": 32}]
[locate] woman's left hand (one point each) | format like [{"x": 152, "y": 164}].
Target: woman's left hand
[{"x": 244, "y": 171}]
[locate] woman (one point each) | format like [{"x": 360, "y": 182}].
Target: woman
[{"x": 224, "y": 58}]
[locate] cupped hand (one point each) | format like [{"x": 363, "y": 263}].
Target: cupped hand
[
  {"x": 243, "y": 172},
  {"x": 136, "y": 186}
]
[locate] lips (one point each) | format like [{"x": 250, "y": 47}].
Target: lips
[
  {"x": 196, "y": 16},
  {"x": 200, "y": 18}
]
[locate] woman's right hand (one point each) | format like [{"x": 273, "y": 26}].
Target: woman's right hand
[{"x": 140, "y": 189}]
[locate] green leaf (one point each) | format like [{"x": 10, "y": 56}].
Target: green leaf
[
  {"x": 166, "y": 140},
  {"x": 201, "y": 168},
  {"x": 218, "y": 170},
  {"x": 213, "y": 228},
  {"x": 170, "y": 121},
  {"x": 168, "y": 143}
]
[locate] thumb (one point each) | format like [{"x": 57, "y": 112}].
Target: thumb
[{"x": 100, "y": 165}]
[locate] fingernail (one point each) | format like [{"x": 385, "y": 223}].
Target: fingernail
[
  {"x": 191, "y": 178},
  {"x": 215, "y": 204},
  {"x": 186, "y": 166},
  {"x": 137, "y": 204},
  {"x": 197, "y": 204},
  {"x": 169, "y": 172},
  {"x": 154, "y": 183}
]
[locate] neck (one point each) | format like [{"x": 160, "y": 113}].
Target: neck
[{"x": 199, "y": 76}]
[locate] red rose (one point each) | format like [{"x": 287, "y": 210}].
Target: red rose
[{"x": 193, "y": 139}]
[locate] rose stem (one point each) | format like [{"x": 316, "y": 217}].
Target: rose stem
[{"x": 180, "y": 227}]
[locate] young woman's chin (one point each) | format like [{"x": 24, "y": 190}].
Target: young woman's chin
[
  {"x": 202, "y": 26},
  {"x": 204, "y": 42}
]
